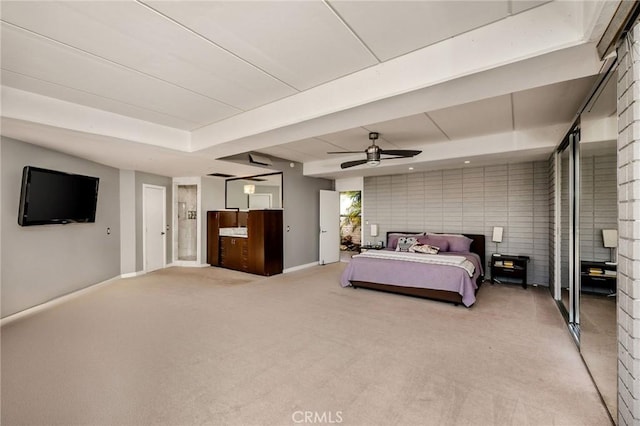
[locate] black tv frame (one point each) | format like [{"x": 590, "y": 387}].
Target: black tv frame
[{"x": 23, "y": 210}]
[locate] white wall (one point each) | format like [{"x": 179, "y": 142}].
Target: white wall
[{"x": 350, "y": 184}]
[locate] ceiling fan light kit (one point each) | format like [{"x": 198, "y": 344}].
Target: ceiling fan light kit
[{"x": 374, "y": 154}]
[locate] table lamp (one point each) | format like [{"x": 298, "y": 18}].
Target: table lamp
[
  {"x": 610, "y": 241},
  {"x": 497, "y": 237}
]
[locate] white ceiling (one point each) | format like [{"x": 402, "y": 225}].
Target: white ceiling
[{"x": 168, "y": 87}]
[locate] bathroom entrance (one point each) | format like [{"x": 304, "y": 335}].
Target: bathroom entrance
[{"x": 186, "y": 221}]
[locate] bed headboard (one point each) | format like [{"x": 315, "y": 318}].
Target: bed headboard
[{"x": 477, "y": 245}]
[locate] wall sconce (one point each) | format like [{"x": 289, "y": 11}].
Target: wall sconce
[
  {"x": 610, "y": 241},
  {"x": 497, "y": 236},
  {"x": 374, "y": 230},
  {"x": 249, "y": 189}
]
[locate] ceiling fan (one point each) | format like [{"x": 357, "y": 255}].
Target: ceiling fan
[{"x": 374, "y": 153}]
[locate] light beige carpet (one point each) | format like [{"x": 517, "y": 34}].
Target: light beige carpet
[
  {"x": 599, "y": 344},
  {"x": 190, "y": 346}
]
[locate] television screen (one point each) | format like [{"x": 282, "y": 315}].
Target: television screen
[{"x": 49, "y": 197}]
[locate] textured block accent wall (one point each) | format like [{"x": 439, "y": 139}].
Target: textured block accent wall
[
  {"x": 469, "y": 200},
  {"x": 628, "y": 92}
]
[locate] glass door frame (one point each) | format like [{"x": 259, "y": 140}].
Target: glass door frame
[{"x": 572, "y": 312}]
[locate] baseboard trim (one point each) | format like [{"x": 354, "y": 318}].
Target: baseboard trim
[
  {"x": 57, "y": 301},
  {"x": 132, "y": 274},
  {"x": 299, "y": 267},
  {"x": 187, "y": 264}
]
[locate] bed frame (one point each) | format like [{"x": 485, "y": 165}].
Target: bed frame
[{"x": 477, "y": 246}]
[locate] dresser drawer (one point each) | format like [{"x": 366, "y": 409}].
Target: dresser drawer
[{"x": 234, "y": 253}]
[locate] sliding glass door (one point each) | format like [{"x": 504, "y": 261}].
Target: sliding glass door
[{"x": 566, "y": 290}]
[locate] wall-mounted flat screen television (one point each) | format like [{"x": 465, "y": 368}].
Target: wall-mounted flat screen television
[{"x": 53, "y": 197}]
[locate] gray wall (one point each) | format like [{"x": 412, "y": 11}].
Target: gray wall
[
  {"x": 212, "y": 199},
  {"x": 127, "y": 222},
  {"x": 146, "y": 178},
  {"x": 41, "y": 263},
  {"x": 469, "y": 200},
  {"x": 301, "y": 199}
]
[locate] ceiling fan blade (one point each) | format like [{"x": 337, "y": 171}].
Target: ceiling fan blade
[
  {"x": 400, "y": 152},
  {"x": 345, "y": 152},
  {"x": 348, "y": 164}
]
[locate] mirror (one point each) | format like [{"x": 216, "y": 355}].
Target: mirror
[
  {"x": 598, "y": 212},
  {"x": 254, "y": 192}
]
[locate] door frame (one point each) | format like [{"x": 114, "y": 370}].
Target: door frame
[
  {"x": 146, "y": 186},
  {"x": 182, "y": 181},
  {"x": 570, "y": 313}
]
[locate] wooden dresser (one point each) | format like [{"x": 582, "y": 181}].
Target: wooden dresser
[
  {"x": 234, "y": 253},
  {"x": 260, "y": 252}
]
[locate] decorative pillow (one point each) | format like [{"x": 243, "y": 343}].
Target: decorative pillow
[
  {"x": 405, "y": 243},
  {"x": 424, "y": 248},
  {"x": 436, "y": 240},
  {"x": 392, "y": 239},
  {"x": 458, "y": 243}
]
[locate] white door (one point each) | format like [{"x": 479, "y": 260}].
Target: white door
[
  {"x": 329, "y": 227},
  {"x": 154, "y": 225}
]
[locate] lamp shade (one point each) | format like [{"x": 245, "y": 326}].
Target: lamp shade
[
  {"x": 249, "y": 189},
  {"x": 610, "y": 238},
  {"x": 497, "y": 234}
]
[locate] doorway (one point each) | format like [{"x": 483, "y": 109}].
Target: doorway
[
  {"x": 350, "y": 224},
  {"x": 187, "y": 221},
  {"x": 187, "y": 224},
  {"x": 154, "y": 224}
]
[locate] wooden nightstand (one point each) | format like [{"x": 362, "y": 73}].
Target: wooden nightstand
[
  {"x": 508, "y": 266},
  {"x": 598, "y": 278}
]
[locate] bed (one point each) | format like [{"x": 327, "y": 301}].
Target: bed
[{"x": 446, "y": 277}]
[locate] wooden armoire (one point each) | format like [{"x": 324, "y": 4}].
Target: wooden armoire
[{"x": 260, "y": 252}]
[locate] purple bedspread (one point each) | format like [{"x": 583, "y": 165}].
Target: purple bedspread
[{"x": 412, "y": 274}]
